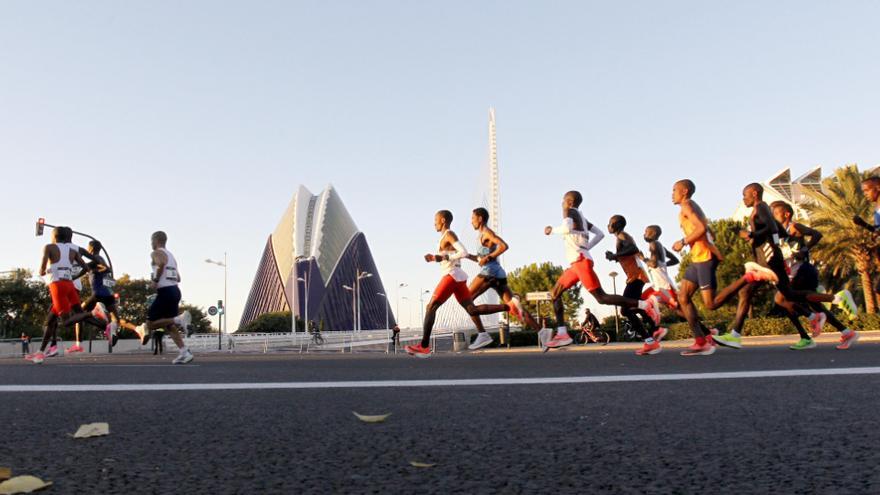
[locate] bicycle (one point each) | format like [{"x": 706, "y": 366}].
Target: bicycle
[
  {"x": 590, "y": 336},
  {"x": 317, "y": 338}
]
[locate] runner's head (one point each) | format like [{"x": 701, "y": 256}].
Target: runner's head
[
  {"x": 683, "y": 190},
  {"x": 616, "y": 224},
  {"x": 65, "y": 234},
  {"x": 158, "y": 239},
  {"x": 753, "y": 194},
  {"x": 57, "y": 235},
  {"x": 782, "y": 212},
  {"x": 652, "y": 233},
  {"x": 479, "y": 218},
  {"x": 442, "y": 220},
  {"x": 95, "y": 247},
  {"x": 871, "y": 188},
  {"x": 572, "y": 199}
]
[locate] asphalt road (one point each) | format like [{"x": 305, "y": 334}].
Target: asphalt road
[{"x": 801, "y": 434}]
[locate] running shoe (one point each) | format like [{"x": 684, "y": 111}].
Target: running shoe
[
  {"x": 516, "y": 308},
  {"x": 183, "y": 358},
  {"x": 483, "y": 339},
  {"x": 817, "y": 321},
  {"x": 847, "y": 340},
  {"x": 649, "y": 349},
  {"x": 695, "y": 349},
  {"x": 544, "y": 336},
  {"x": 418, "y": 351},
  {"x": 183, "y": 320},
  {"x": 660, "y": 334},
  {"x": 803, "y": 344},
  {"x": 36, "y": 358},
  {"x": 74, "y": 349},
  {"x": 758, "y": 273},
  {"x": 144, "y": 335},
  {"x": 844, "y": 300},
  {"x": 652, "y": 310},
  {"x": 560, "y": 340},
  {"x": 728, "y": 340}
]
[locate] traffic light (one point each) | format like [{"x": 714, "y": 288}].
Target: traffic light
[
  {"x": 220, "y": 309},
  {"x": 41, "y": 222}
]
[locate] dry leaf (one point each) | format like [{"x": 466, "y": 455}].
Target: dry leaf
[
  {"x": 23, "y": 484},
  {"x": 421, "y": 464},
  {"x": 5, "y": 473},
  {"x": 92, "y": 430},
  {"x": 372, "y": 419}
]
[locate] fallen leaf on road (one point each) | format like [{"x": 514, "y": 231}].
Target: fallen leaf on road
[
  {"x": 5, "y": 473},
  {"x": 23, "y": 484},
  {"x": 372, "y": 419},
  {"x": 421, "y": 464},
  {"x": 92, "y": 430}
]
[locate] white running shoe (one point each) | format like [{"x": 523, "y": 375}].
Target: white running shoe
[
  {"x": 483, "y": 339},
  {"x": 761, "y": 273},
  {"x": 544, "y": 336},
  {"x": 183, "y": 320},
  {"x": 183, "y": 358},
  {"x": 143, "y": 334}
]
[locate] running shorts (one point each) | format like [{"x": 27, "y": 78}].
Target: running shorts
[
  {"x": 703, "y": 274},
  {"x": 64, "y": 297},
  {"x": 166, "y": 304},
  {"x": 580, "y": 271},
  {"x": 448, "y": 287},
  {"x": 806, "y": 278}
]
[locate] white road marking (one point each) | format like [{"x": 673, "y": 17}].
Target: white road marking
[{"x": 161, "y": 387}]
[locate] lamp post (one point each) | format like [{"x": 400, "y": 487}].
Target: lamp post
[
  {"x": 408, "y": 305},
  {"x": 422, "y": 293},
  {"x": 387, "y": 320},
  {"x": 305, "y": 281},
  {"x": 399, "y": 286},
  {"x": 613, "y": 276},
  {"x": 353, "y": 310},
  {"x": 360, "y": 276},
  {"x": 223, "y": 263}
]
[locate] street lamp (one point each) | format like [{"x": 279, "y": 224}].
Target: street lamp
[
  {"x": 296, "y": 262},
  {"x": 360, "y": 276},
  {"x": 353, "y": 310},
  {"x": 408, "y": 305},
  {"x": 613, "y": 276},
  {"x": 399, "y": 286},
  {"x": 422, "y": 303},
  {"x": 387, "y": 320},
  {"x": 225, "y": 328}
]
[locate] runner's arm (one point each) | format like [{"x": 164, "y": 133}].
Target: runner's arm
[
  {"x": 160, "y": 260},
  {"x": 671, "y": 259},
  {"x": 45, "y": 261},
  {"x": 765, "y": 216},
  {"x": 813, "y": 235},
  {"x": 863, "y": 224},
  {"x": 698, "y": 228},
  {"x": 597, "y": 237}
]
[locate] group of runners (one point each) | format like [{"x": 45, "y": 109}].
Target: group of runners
[
  {"x": 64, "y": 264},
  {"x": 781, "y": 257}
]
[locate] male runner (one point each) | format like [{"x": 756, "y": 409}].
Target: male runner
[
  {"x": 701, "y": 273},
  {"x": 492, "y": 275},
  {"x": 163, "y": 311},
  {"x": 57, "y": 266},
  {"x": 871, "y": 191},
  {"x": 102, "y": 283},
  {"x": 575, "y": 231},
  {"x": 627, "y": 255},
  {"x": 662, "y": 285},
  {"x": 763, "y": 235},
  {"x": 798, "y": 241},
  {"x": 454, "y": 282}
]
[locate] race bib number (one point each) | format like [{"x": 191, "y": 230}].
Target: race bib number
[
  {"x": 109, "y": 282},
  {"x": 170, "y": 274},
  {"x": 62, "y": 273}
]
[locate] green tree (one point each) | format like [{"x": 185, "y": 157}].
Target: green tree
[
  {"x": 24, "y": 304},
  {"x": 846, "y": 250},
  {"x": 541, "y": 278}
]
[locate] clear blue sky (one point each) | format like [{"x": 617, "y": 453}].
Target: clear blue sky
[{"x": 201, "y": 118}]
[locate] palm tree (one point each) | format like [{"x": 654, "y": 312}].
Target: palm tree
[{"x": 845, "y": 246}]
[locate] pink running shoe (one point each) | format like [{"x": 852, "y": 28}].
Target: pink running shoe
[
  {"x": 758, "y": 273},
  {"x": 418, "y": 351},
  {"x": 817, "y": 321},
  {"x": 52, "y": 351},
  {"x": 848, "y": 340},
  {"x": 652, "y": 310},
  {"x": 36, "y": 358},
  {"x": 516, "y": 308},
  {"x": 560, "y": 340},
  {"x": 649, "y": 349},
  {"x": 74, "y": 349}
]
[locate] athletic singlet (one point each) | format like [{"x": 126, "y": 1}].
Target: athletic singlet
[
  {"x": 658, "y": 275},
  {"x": 701, "y": 249},
  {"x": 575, "y": 236},
  {"x": 170, "y": 276},
  {"x": 451, "y": 267},
  {"x": 791, "y": 245},
  {"x": 493, "y": 268},
  {"x": 63, "y": 268},
  {"x": 101, "y": 282},
  {"x": 631, "y": 267}
]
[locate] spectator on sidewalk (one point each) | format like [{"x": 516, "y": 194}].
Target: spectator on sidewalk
[{"x": 25, "y": 344}]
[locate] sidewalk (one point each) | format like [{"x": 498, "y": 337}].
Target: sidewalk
[{"x": 828, "y": 338}]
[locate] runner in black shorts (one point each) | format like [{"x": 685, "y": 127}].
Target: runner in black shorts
[
  {"x": 798, "y": 240},
  {"x": 102, "y": 283},
  {"x": 763, "y": 234}
]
